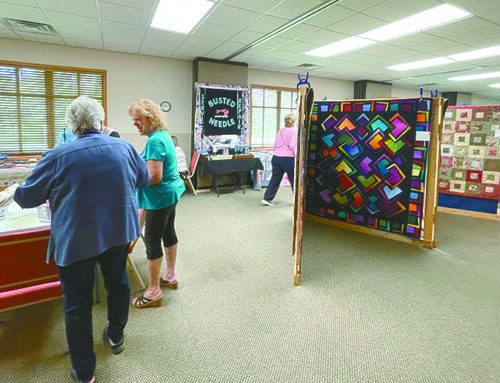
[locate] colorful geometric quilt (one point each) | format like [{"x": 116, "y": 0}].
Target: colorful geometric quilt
[
  {"x": 367, "y": 163},
  {"x": 470, "y": 152}
]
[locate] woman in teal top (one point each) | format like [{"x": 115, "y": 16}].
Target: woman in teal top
[{"x": 158, "y": 199}]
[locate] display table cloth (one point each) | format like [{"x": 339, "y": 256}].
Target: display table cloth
[{"x": 235, "y": 167}]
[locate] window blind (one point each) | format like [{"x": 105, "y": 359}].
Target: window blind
[
  {"x": 33, "y": 101},
  {"x": 269, "y": 108}
]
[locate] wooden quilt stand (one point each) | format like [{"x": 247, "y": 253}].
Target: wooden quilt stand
[{"x": 142, "y": 222}]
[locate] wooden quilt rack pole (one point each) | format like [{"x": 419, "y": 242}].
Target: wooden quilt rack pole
[
  {"x": 431, "y": 189},
  {"x": 298, "y": 185}
]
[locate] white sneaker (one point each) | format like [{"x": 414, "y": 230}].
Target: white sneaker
[{"x": 266, "y": 203}]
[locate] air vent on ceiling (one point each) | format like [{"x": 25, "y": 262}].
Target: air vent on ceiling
[
  {"x": 307, "y": 66},
  {"x": 29, "y": 26},
  {"x": 431, "y": 84}
]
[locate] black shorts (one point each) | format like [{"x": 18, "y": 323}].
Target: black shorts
[{"x": 160, "y": 224}]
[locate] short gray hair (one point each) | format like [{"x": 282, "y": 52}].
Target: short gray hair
[{"x": 84, "y": 113}]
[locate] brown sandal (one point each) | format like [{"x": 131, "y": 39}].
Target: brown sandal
[
  {"x": 169, "y": 285},
  {"x": 142, "y": 302}
]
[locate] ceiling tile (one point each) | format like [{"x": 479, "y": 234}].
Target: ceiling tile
[
  {"x": 291, "y": 9},
  {"x": 7, "y": 33},
  {"x": 258, "y": 50},
  {"x": 78, "y": 34},
  {"x": 477, "y": 6},
  {"x": 21, "y": 12},
  {"x": 436, "y": 45},
  {"x": 84, "y": 43},
  {"x": 82, "y": 7},
  {"x": 218, "y": 32},
  {"x": 264, "y": 62},
  {"x": 462, "y": 26},
  {"x": 160, "y": 46},
  {"x": 276, "y": 54},
  {"x": 129, "y": 48},
  {"x": 297, "y": 46},
  {"x": 492, "y": 15},
  {"x": 66, "y": 20},
  {"x": 267, "y": 24},
  {"x": 224, "y": 50},
  {"x": 298, "y": 31},
  {"x": 203, "y": 43},
  {"x": 356, "y": 24},
  {"x": 476, "y": 36},
  {"x": 126, "y": 34},
  {"x": 124, "y": 14},
  {"x": 30, "y": 3},
  {"x": 329, "y": 16},
  {"x": 392, "y": 10},
  {"x": 412, "y": 40},
  {"x": 232, "y": 17},
  {"x": 360, "y": 5},
  {"x": 143, "y": 4},
  {"x": 275, "y": 42},
  {"x": 322, "y": 37},
  {"x": 260, "y": 6},
  {"x": 485, "y": 42},
  {"x": 54, "y": 39},
  {"x": 161, "y": 35},
  {"x": 246, "y": 37},
  {"x": 164, "y": 52},
  {"x": 116, "y": 38},
  {"x": 187, "y": 51}
]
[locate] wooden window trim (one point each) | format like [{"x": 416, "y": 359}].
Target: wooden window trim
[
  {"x": 60, "y": 68},
  {"x": 270, "y": 87}
]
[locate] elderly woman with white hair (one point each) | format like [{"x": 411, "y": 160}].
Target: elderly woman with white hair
[{"x": 90, "y": 184}]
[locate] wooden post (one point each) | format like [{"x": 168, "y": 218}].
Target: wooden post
[
  {"x": 298, "y": 186},
  {"x": 431, "y": 186}
]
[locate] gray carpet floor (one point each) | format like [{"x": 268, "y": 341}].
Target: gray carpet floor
[{"x": 367, "y": 309}]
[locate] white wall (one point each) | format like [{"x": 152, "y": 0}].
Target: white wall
[
  {"x": 323, "y": 87},
  {"x": 406, "y": 92},
  {"x": 130, "y": 77},
  {"x": 480, "y": 100}
]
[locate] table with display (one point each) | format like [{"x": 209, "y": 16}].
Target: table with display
[
  {"x": 27, "y": 278},
  {"x": 235, "y": 167}
]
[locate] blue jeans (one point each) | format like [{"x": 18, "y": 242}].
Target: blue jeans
[
  {"x": 77, "y": 282},
  {"x": 281, "y": 165}
]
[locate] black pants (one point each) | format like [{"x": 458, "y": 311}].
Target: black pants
[
  {"x": 77, "y": 282},
  {"x": 281, "y": 165},
  {"x": 160, "y": 224}
]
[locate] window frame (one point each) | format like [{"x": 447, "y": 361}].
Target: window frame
[
  {"x": 279, "y": 89},
  {"x": 51, "y": 138}
]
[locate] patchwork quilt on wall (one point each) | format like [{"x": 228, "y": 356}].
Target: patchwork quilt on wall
[
  {"x": 470, "y": 152},
  {"x": 367, "y": 163}
]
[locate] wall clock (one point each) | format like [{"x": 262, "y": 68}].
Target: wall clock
[{"x": 165, "y": 106}]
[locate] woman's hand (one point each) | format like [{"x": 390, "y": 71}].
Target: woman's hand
[{"x": 155, "y": 168}]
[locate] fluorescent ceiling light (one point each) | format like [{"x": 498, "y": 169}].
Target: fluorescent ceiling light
[
  {"x": 345, "y": 45},
  {"x": 180, "y": 15},
  {"x": 477, "y": 54},
  {"x": 431, "y": 18},
  {"x": 465, "y": 56},
  {"x": 496, "y": 85},
  {"x": 475, "y": 76},
  {"x": 421, "y": 64}
]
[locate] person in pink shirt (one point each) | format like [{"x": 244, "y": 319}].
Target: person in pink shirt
[{"x": 283, "y": 160}]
